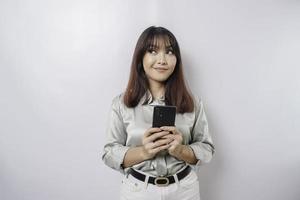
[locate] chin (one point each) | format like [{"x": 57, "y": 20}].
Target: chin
[
  {"x": 159, "y": 77},
  {"x": 162, "y": 80}
]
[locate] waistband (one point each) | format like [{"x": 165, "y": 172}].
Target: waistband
[{"x": 161, "y": 180}]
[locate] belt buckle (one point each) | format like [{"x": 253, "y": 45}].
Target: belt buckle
[{"x": 164, "y": 180}]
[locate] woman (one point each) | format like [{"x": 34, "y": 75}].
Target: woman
[{"x": 157, "y": 163}]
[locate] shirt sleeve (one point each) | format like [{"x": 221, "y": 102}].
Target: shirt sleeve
[
  {"x": 201, "y": 144},
  {"x": 115, "y": 149}
]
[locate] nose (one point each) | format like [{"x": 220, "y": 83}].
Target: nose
[{"x": 162, "y": 59}]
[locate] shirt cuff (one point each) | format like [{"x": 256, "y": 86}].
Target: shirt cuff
[
  {"x": 202, "y": 153},
  {"x": 120, "y": 154},
  {"x": 115, "y": 157}
]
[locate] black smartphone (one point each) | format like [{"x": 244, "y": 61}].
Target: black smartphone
[{"x": 163, "y": 116}]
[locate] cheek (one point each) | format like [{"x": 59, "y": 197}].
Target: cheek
[
  {"x": 147, "y": 61},
  {"x": 172, "y": 62}
]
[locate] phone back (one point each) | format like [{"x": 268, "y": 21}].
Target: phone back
[{"x": 164, "y": 116}]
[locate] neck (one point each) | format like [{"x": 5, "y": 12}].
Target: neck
[{"x": 157, "y": 89}]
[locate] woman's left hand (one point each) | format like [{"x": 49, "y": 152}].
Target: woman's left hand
[{"x": 177, "y": 139}]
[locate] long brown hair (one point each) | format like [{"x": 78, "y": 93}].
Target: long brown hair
[{"x": 176, "y": 92}]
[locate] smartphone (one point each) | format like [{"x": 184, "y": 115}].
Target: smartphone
[{"x": 163, "y": 116}]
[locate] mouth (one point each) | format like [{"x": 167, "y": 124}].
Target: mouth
[{"x": 160, "y": 69}]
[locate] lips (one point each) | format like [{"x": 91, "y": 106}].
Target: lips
[{"x": 160, "y": 69}]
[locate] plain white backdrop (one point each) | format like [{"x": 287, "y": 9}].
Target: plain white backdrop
[{"x": 62, "y": 62}]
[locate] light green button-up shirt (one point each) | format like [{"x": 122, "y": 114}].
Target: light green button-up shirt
[{"x": 127, "y": 126}]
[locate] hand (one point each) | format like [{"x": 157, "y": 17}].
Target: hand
[
  {"x": 153, "y": 142},
  {"x": 176, "y": 140}
]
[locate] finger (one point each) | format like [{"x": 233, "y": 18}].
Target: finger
[
  {"x": 158, "y": 142},
  {"x": 168, "y": 128},
  {"x": 150, "y": 146},
  {"x": 170, "y": 136},
  {"x": 157, "y": 135},
  {"x": 160, "y": 148},
  {"x": 153, "y": 137},
  {"x": 161, "y": 142},
  {"x": 173, "y": 143},
  {"x": 150, "y": 131}
]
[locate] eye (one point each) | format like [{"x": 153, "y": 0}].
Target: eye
[
  {"x": 152, "y": 51},
  {"x": 170, "y": 52}
]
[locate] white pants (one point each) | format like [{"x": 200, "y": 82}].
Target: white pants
[{"x": 185, "y": 189}]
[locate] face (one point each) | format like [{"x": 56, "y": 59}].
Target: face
[{"x": 159, "y": 62}]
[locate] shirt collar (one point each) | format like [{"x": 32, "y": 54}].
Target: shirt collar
[{"x": 148, "y": 98}]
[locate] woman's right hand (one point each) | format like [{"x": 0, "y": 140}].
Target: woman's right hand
[{"x": 154, "y": 143}]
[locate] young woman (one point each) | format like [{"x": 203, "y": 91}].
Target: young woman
[{"x": 157, "y": 163}]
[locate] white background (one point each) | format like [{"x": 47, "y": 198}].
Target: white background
[{"x": 62, "y": 62}]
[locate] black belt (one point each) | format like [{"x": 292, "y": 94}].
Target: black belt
[{"x": 160, "y": 181}]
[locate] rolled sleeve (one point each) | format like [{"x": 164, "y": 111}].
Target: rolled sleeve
[
  {"x": 115, "y": 147},
  {"x": 201, "y": 144}
]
